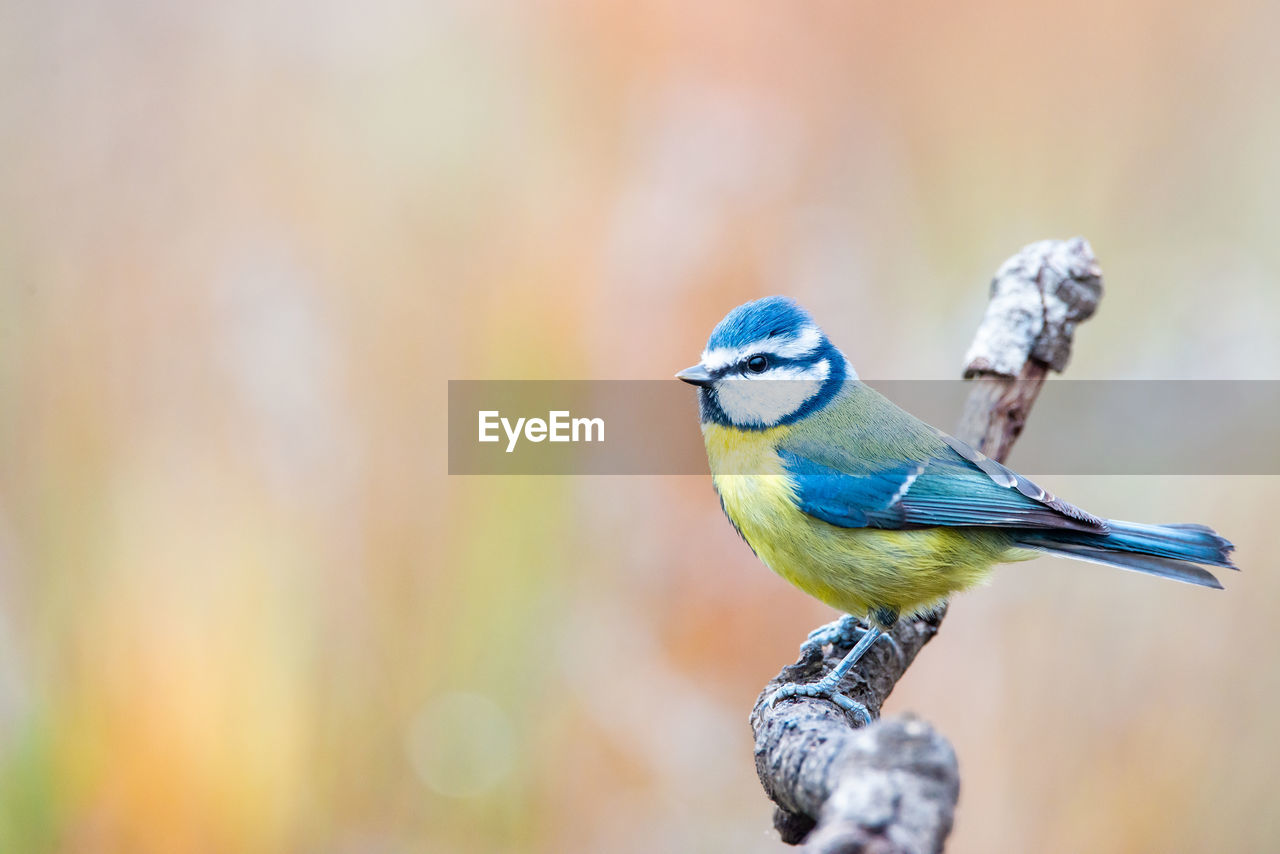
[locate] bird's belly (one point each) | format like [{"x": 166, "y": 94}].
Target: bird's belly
[{"x": 855, "y": 569}]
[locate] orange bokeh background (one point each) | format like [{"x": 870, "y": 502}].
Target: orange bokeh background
[{"x": 243, "y": 246}]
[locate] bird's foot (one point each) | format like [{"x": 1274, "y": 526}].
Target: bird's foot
[
  {"x": 842, "y": 632},
  {"x": 824, "y": 689},
  {"x": 845, "y": 631}
]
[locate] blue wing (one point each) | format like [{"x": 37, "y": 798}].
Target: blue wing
[{"x": 956, "y": 486}]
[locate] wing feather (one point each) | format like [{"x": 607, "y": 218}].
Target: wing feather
[{"x": 950, "y": 489}]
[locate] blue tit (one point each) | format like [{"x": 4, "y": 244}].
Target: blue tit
[{"x": 865, "y": 507}]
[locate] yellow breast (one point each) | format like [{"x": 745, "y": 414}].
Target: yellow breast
[{"x": 852, "y": 569}]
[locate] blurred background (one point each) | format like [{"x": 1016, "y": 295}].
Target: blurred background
[{"x": 244, "y": 245}]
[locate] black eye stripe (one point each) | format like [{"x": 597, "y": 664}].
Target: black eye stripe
[
  {"x": 808, "y": 360},
  {"x": 783, "y": 362}
]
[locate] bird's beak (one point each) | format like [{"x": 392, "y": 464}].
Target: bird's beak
[{"x": 697, "y": 375}]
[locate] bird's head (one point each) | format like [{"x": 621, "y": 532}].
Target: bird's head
[{"x": 767, "y": 363}]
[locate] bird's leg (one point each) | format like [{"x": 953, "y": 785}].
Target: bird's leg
[
  {"x": 842, "y": 632},
  {"x": 827, "y": 687},
  {"x": 846, "y": 631}
]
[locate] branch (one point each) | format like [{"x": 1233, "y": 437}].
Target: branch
[{"x": 892, "y": 786}]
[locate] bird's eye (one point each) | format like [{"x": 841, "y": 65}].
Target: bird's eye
[{"x": 757, "y": 364}]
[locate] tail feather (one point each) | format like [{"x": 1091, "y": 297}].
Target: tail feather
[{"x": 1169, "y": 551}]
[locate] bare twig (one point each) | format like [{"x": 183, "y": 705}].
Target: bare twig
[
  {"x": 892, "y": 786},
  {"x": 1037, "y": 298}
]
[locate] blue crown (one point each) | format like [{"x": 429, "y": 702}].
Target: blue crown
[{"x": 770, "y": 317}]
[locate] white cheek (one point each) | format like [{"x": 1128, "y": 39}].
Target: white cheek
[{"x": 766, "y": 399}]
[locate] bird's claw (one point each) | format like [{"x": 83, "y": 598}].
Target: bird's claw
[
  {"x": 845, "y": 631},
  {"x": 822, "y": 690},
  {"x": 842, "y": 632}
]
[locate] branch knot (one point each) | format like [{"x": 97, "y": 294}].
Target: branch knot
[{"x": 1037, "y": 298}]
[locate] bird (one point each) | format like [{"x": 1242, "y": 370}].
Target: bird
[{"x": 869, "y": 509}]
